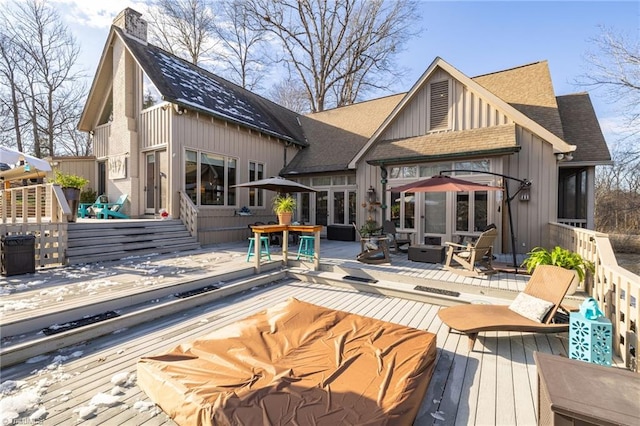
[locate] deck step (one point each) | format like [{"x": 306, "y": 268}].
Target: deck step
[
  {"x": 132, "y": 310},
  {"x": 100, "y": 240},
  {"x": 433, "y": 294}
]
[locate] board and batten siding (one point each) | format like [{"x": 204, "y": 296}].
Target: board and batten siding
[
  {"x": 468, "y": 111},
  {"x": 195, "y": 131},
  {"x": 155, "y": 127},
  {"x": 536, "y": 163}
]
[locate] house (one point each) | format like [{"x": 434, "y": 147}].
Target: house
[{"x": 169, "y": 133}]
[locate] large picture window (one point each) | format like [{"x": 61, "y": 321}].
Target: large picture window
[{"x": 209, "y": 179}]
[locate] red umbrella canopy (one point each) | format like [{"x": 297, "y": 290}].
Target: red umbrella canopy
[{"x": 443, "y": 183}]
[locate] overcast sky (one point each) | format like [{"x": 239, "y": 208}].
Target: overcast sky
[{"x": 476, "y": 37}]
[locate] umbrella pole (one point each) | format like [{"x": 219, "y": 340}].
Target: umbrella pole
[{"x": 513, "y": 237}]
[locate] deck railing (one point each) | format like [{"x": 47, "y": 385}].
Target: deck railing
[
  {"x": 616, "y": 289},
  {"x": 41, "y": 211},
  {"x": 189, "y": 214}
]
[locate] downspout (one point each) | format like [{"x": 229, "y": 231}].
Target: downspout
[{"x": 383, "y": 181}]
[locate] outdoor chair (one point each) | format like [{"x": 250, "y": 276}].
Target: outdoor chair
[
  {"x": 400, "y": 243},
  {"x": 474, "y": 259},
  {"x": 111, "y": 210},
  {"x": 87, "y": 209},
  {"x": 375, "y": 249},
  {"x": 532, "y": 311}
]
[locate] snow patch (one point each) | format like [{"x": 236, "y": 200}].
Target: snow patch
[
  {"x": 104, "y": 400},
  {"x": 143, "y": 405}
]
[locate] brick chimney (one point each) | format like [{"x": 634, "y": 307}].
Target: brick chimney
[{"x": 132, "y": 24}]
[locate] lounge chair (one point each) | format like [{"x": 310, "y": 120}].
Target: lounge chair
[
  {"x": 400, "y": 243},
  {"x": 375, "y": 249},
  {"x": 109, "y": 210},
  {"x": 474, "y": 259},
  {"x": 548, "y": 283}
]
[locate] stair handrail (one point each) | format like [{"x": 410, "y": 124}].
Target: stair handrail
[{"x": 189, "y": 214}]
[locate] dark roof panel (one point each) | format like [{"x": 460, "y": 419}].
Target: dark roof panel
[
  {"x": 188, "y": 85},
  {"x": 581, "y": 128}
]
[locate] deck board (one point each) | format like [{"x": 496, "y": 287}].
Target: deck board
[{"x": 495, "y": 383}]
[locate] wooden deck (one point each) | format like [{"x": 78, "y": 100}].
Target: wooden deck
[{"x": 494, "y": 384}]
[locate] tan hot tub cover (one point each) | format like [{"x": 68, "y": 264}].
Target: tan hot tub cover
[{"x": 295, "y": 363}]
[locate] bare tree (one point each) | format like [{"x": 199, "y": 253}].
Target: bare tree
[
  {"x": 339, "y": 49},
  {"x": 243, "y": 42},
  {"x": 43, "y": 53},
  {"x": 617, "y": 195},
  {"x": 10, "y": 97},
  {"x": 615, "y": 67},
  {"x": 290, "y": 94},
  {"x": 183, "y": 27}
]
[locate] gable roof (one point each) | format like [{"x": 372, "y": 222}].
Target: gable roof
[
  {"x": 185, "y": 84},
  {"x": 581, "y": 127},
  {"x": 517, "y": 116},
  {"x": 336, "y": 135},
  {"x": 527, "y": 88}
]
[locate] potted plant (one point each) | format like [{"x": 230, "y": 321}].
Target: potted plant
[
  {"x": 283, "y": 207},
  {"x": 370, "y": 228},
  {"x": 563, "y": 258},
  {"x": 71, "y": 187}
]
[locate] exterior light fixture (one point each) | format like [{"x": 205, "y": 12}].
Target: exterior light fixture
[{"x": 371, "y": 195}]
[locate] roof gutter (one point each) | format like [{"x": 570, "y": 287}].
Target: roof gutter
[{"x": 428, "y": 158}]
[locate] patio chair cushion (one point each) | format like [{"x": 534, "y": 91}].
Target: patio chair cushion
[
  {"x": 295, "y": 363},
  {"x": 530, "y": 307}
]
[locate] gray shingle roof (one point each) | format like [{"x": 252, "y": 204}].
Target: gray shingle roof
[
  {"x": 581, "y": 128},
  {"x": 188, "y": 85},
  {"x": 481, "y": 141},
  {"x": 336, "y": 135}
]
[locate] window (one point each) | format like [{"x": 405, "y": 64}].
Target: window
[
  {"x": 471, "y": 211},
  {"x": 150, "y": 93},
  {"x": 403, "y": 209},
  {"x": 572, "y": 193},
  {"x": 403, "y": 172},
  {"x": 439, "y": 105},
  {"x": 477, "y": 166},
  {"x": 256, "y": 196},
  {"x": 209, "y": 179},
  {"x": 435, "y": 212}
]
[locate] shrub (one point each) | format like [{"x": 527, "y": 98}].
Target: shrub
[{"x": 559, "y": 256}]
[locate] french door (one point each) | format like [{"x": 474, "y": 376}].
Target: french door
[{"x": 156, "y": 185}]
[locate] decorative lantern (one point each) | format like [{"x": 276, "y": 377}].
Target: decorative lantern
[{"x": 590, "y": 335}]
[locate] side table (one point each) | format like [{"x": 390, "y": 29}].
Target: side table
[
  {"x": 426, "y": 253},
  {"x": 572, "y": 392}
]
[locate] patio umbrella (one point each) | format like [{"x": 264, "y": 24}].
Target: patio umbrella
[
  {"x": 445, "y": 183},
  {"x": 11, "y": 156},
  {"x": 278, "y": 184}
]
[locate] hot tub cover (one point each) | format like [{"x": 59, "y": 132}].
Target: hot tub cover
[{"x": 295, "y": 363}]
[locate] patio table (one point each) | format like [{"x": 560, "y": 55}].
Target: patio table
[{"x": 266, "y": 229}]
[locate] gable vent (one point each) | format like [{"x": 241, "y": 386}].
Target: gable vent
[{"x": 439, "y": 111}]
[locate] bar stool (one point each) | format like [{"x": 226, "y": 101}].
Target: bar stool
[
  {"x": 305, "y": 249},
  {"x": 264, "y": 248}
]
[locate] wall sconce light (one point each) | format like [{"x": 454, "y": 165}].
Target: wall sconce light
[
  {"x": 525, "y": 195},
  {"x": 371, "y": 195},
  {"x": 560, "y": 156}
]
